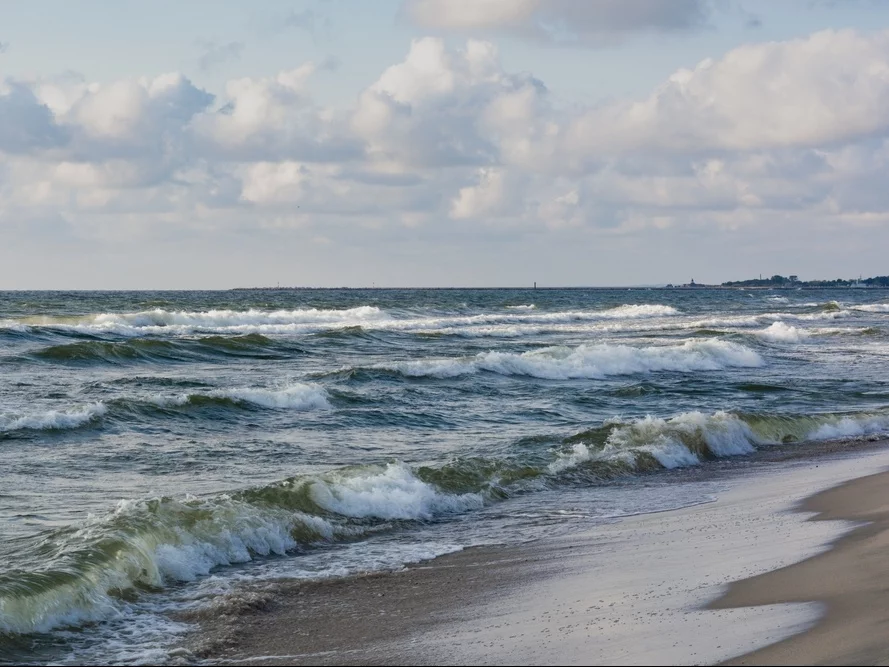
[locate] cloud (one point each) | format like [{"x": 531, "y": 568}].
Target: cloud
[
  {"x": 429, "y": 109},
  {"x": 449, "y": 144},
  {"x": 314, "y": 23},
  {"x": 565, "y": 22},
  {"x": 218, "y": 54},
  {"x": 330, "y": 64},
  {"x": 304, "y": 20},
  {"x": 4, "y": 47},
  {"x": 831, "y": 86},
  {"x": 273, "y": 118},
  {"x": 26, "y": 124}
]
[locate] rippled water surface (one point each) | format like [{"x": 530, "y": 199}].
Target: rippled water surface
[{"x": 156, "y": 448}]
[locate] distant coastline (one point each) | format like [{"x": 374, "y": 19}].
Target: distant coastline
[
  {"x": 775, "y": 282},
  {"x": 792, "y": 282}
]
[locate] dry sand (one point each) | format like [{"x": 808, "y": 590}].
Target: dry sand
[
  {"x": 635, "y": 592},
  {"x": 852, "y": 579}
]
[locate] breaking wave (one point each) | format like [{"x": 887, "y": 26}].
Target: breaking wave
[
  {"x": 85, "y": 571},
  {"x": 873, "y": 308},
  {"x": 299, "y": 396},
  {"x": 778, "y": 332},
  {"x": 161, "y": 322},
  {"x": 255, "y": 346},
  {"x": 155, "y": 543},
  {"x": 589, "y": 361},
  {"x": 52, "y": 420},
  {"x": 690, "y": 437}
]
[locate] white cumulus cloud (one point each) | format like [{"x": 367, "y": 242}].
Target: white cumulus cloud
[{"x": 449, "y": 143}]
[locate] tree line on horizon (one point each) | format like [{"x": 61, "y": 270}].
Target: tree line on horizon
[{"x": 783, "y": 281}]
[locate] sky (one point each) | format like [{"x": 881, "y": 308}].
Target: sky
[{"x": 397, "y": 143}]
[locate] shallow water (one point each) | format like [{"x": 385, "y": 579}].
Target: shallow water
[{"x": 158, "y": 447}]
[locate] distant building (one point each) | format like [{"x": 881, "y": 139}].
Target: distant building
[{"x": 794, "y": 279}]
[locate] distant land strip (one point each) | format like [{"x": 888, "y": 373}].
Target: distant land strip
[
  {"x": 775, "y": 282},
  {"x": 792, "y": 281}
]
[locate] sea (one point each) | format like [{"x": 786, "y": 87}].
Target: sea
[{"x": 159, "y": 451}]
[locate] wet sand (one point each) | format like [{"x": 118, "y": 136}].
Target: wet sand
[
  {"x": 851, "y": 579},
  {"x": 366, "y": 620},
  {"x": 635, "y": 592}
]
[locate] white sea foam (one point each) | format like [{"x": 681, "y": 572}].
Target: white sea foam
[
  {"x": 852, "y": 427},
  {"x": 298, "y": 396},
  {"x": 809, "y": 317},
  {"x": 591, "y": 361},
  {"x": 779, "y": 332},
  {"x": 519, "y": 320},
  {"x": 392, "y": 493},
  {"x": 526, "y": 321},
  {"x": 641, "y": 310},
  {"x": 676, "y": 442},
  {"x": 52, "y": 419},
  {"x": 833, "y": 331},
  {"x": 177, "y": 541},
  {"x": 13, "y": 325},
  {"x": 599, "y": 361},
  {"x": 873, "y": 308},
  {"x": 163, "y": 541},
  {"x": 682, "y": 440},
  {"x": 165, "y": 323},
  {"x": 221, "y": 319}
]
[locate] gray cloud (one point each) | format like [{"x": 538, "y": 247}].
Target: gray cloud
[
  {"x": 316, "y": 24},
  {"x": 26, "y": 124},
  {"x": 565, "y": 22},
  {"x": 304, "y": 20},
  {"x": 218, "y": 54},
  {"x": 330, "y": 63}
]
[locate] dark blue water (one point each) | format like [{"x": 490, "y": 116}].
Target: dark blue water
[{"x": 158, "y": 447}]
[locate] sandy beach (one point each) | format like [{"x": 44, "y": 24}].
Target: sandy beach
[
  {"x": 850, "y": 579},
  {"x": 773, "y": 571}
]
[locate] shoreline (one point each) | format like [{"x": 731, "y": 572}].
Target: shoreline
[
  {"x": 620, "y": 593},
  {"x": 849, "y": 579}
]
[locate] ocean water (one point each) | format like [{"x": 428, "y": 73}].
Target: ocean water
[{"x": 159, "y": 449}]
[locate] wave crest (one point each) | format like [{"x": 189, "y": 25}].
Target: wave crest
[
  {"x": 182, "y": 323},
  {"x": 52, "y": 420},
  {"x": 779, "y": 332},
  {"x": 157, "y": 542},
  {"x": 589, "y": 361},
  {"x": 873, "y": 308}
]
